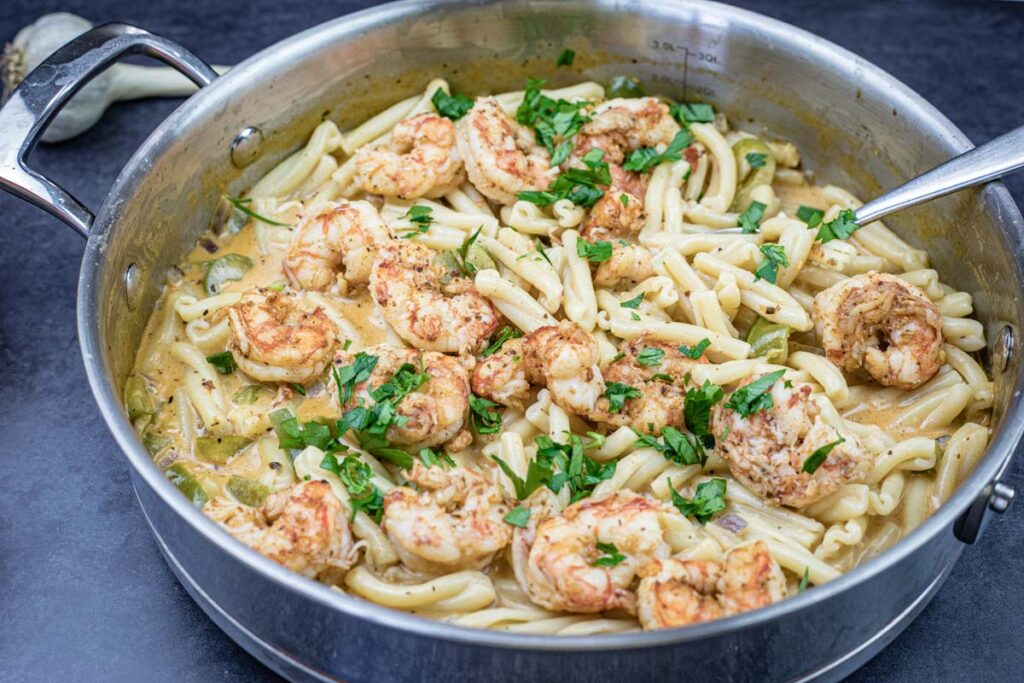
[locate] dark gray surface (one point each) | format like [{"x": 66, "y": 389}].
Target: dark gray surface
[{"x": 84, "y": 594}]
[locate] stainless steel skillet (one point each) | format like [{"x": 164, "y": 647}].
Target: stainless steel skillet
[{"x": 856, "y": 127}]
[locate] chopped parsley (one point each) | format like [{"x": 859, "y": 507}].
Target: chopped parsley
[
  {"x": 617, "y": 393},
  {"x": 432, "y": 458},
  {"x": 565, "y": 58},
  {"x": 555, "y": 122},
  {"x": 483, "y": 419},
  {"x": 694, "y": 112},
  {"x": 756, "y": 159},
  {"x": 518, "y": 516},
  {"x": 357, "y": 477},
  {"x": 809, "y": 215},
  {"x": 650, "y": 356},
  {"x": 754, "y": 397},
  {"x": 594, "y": 251},
  {"x": 676, "y": 446},
  {"x": 815, "y": 459},
  {"x": 697, "y": 351},
  {"x": 224, "y": 362},
  {"x": 644, "y": 159},
  {"x": 624, "y": 199},
  {"x": 453, "y": 107},
  {"x": 421, "y": 217},
  {"x": 298, "y": 388},
  {"x": 559, "y": 465},
  {"x": 466, "y": 267},
  {"x": 697, "y": 405},
  {"x": 498, "y": 340},
  {"x": 844, "y": 225},
  {"x": 768, "y": 268},
  {"x": 581, "y": 186},
  {"x": 349, "y": 376},
  {"x": 241, "y": 203},
  {"x": 804, "y": 580},
  {"x": 293, "y": 435},
  {"x": 610, "y": 556},
  {"x": 708, "y": 498},
  {"x": 634, "y": 302},
  {"x": 750, "y": 220}
]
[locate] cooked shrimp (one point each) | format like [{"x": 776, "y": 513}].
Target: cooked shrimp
[
  {"x": 502, "y": 157},
  {"x": 304, "y": 528},
  {"x": 629, "y": 264},
  {"x": 280, "y": 336},
  {"x": 766, "y": 450},
  {"x": 333, "y": 235},
  {"x": 543, "y": 505},
  {"x": 406, "y": 282},
  {"x": 883, "y": 324},
  {"x": 682, "y": 592},
  {"x": 501, "y": 377},
  {"x": 453, "y": 519},
  {"x": 434, "y": 412},
  {"x": 420, "y": 161},
  {"x": 621, "y": 125},
  {"x": 560, "y": 571},
  {"x": 661, "y": 380},
  {"x": 564, "y": 358},
  {"x": 618, "y": 214}
]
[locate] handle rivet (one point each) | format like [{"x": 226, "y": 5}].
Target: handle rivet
[
  {"x": 1002, "y": 497},
  {"x": 1002, "y": 350},
  {"x": 133, "y": 286},
  {"x": 246, "y": 146}
]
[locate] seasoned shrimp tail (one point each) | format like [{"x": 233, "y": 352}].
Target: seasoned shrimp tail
[
  {"x": 280, "y": 337},
  {"x": 682, "y": 592},
  {"x": 452, "y": 520},
  {"x": 882, "y": 324},
  {"x": 406, "y": 282},
  {"x": 335, "y": 243},
  {"x": 502, "y": 157},
  {"x": 304, "y": 528},
  {"x": 767, "y": 449},
  {"x": 421, "y": 160}
]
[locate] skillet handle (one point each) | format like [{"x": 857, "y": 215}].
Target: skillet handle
[{"x": 44, "y": 92}]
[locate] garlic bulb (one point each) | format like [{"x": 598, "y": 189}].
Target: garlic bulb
[{"x": 36, "y": 42}]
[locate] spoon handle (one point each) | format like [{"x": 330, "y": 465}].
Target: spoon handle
[{"x": 981, "y": 164}]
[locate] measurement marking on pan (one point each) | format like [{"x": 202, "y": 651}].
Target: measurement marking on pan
[{"x": 702, "y": 57}]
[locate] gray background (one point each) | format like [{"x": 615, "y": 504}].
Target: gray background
[{"x": 84, "y": 594}]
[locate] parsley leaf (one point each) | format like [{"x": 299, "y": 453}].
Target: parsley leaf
[
  {"x": 754, "y": 397},
  {"x": 241, "y": 203},
  {"x": 483, "y": 419},
  {"x": 697, "y": 405},
  {"x": 518, "y": 516},
  {"x": 650, "y": 356},
  {"x": 357, "y": 477},
  {"x": 624, "y": 199},
  {"x": 634, "y": 302},
  {"x": 708, "y": 498},
  {"x": 844, "y": 225},
  {"x": 594, "y": 251},
  {"x": 756, "y": 159},
  {"x": 466, "y": 267},
  {"x": 610, "y": 556},
  {"x": 565, "y": 58},
  {"x": 298, "y": 388},
  {"x": 453, "y": 107},
  {"x": 579, "y": 185},
  {"x": 421, "y": 217},
  {"x": 432, "y": 458},
  {"x": 809, "y": 215},
  {"x": 694, "y": 112},
  {"x": 293, "y": 435},
  {"x": 498, "y": 340},
  {"x": 750, "y": 220},
  {"x": 644, "y": 159},
  {"x": 815, "y": 459},
  {"x": 617, "y": 393},
  {"x": 697, "y": 351},
  {"x": 804, "y": 580},
  {"x": 555, "y": 122},
  {"x": 224, "y": 362},
  {"x": 768, "y": 268},
  {"x": 349, "y": 376},
  {"x": 677, "y": 446}
]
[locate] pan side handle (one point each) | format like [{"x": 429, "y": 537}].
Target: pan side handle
[{"x": 46, "y": 89}]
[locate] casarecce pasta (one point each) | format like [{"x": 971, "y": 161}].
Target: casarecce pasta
[{"x": 536, "y": 389}]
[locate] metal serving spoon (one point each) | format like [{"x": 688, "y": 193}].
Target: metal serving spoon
[{"x": 992, "y": 160}]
